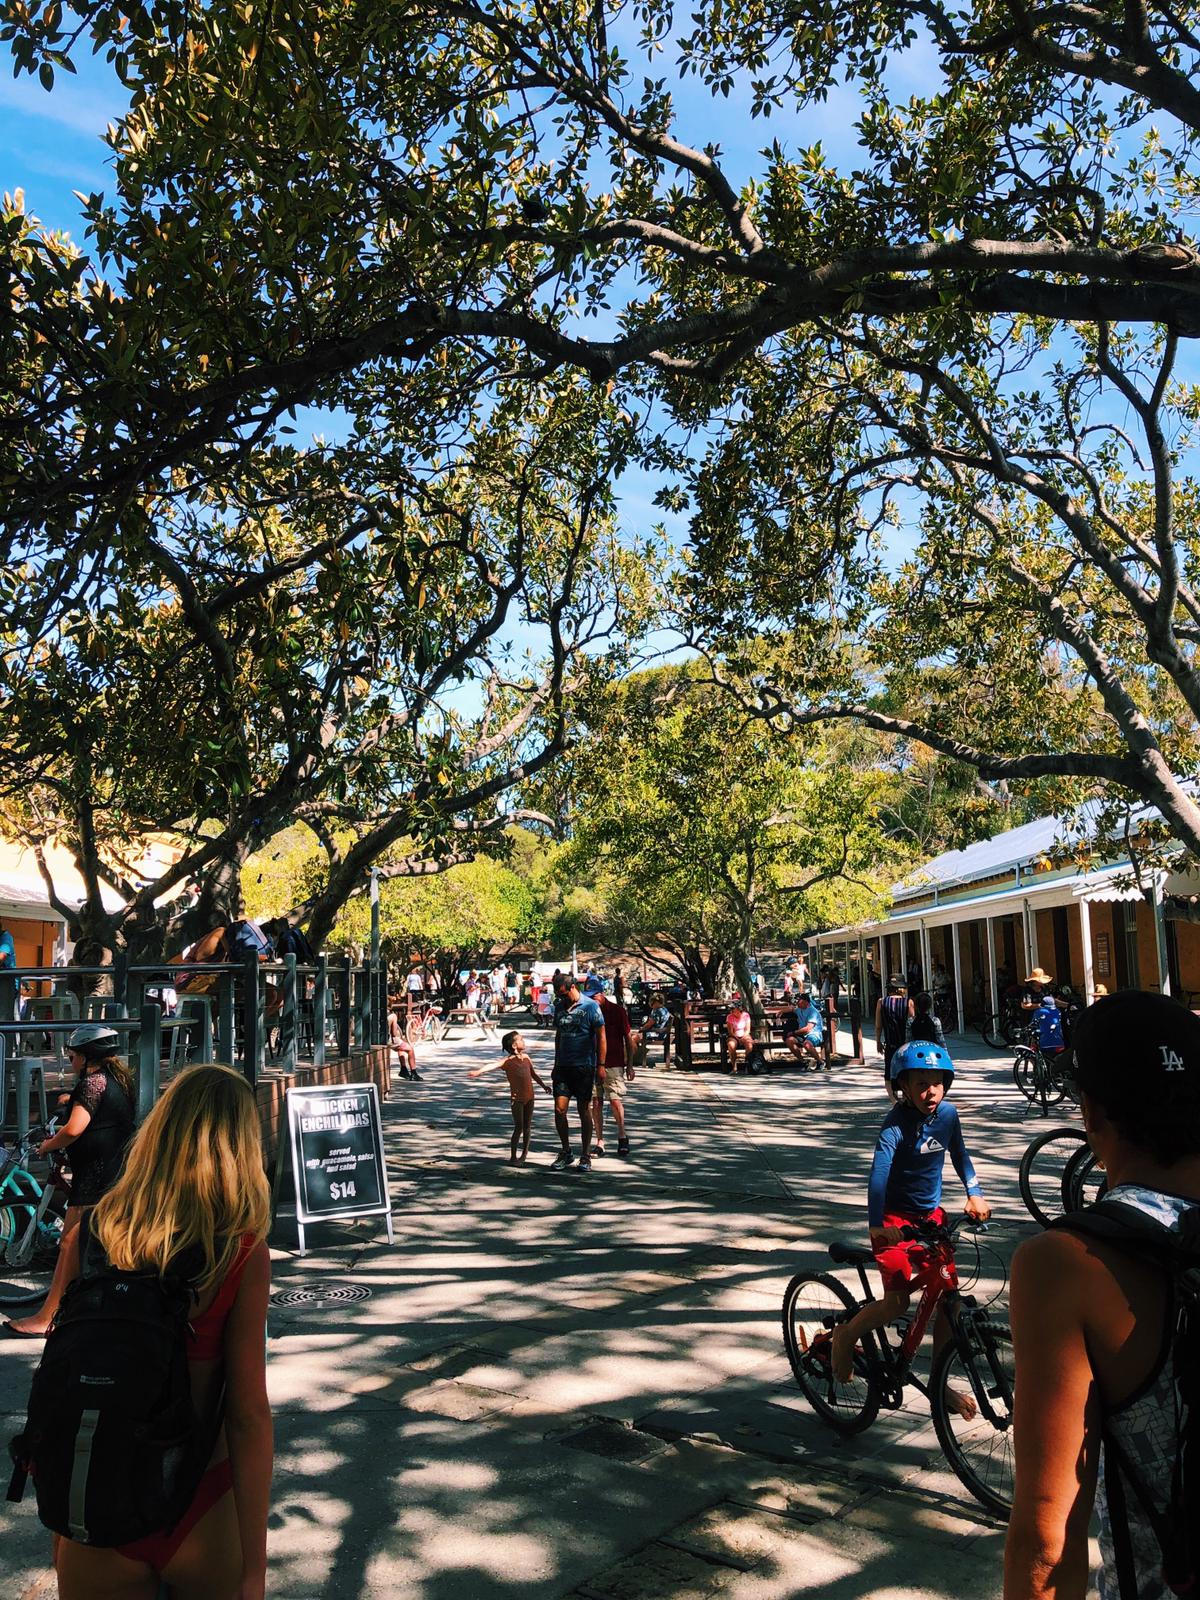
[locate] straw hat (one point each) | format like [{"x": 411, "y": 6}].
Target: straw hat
[{"x": 1040, "y": 975}]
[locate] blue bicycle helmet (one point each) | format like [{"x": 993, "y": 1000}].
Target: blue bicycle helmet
[{"x": 920, "y": 1056}]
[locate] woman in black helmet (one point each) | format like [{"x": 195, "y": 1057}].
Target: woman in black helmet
[{"x": 97, "y": 1132}]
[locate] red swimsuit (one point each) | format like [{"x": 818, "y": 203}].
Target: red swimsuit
[{"x": 207, "y": 1344}]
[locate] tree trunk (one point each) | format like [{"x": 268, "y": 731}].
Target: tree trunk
[{"x": 740, "y": 959}]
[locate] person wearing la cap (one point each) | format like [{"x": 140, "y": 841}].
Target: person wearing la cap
[
  {"x": 1089, "y": 1318},
  {"x": 97, "y": 1132}
]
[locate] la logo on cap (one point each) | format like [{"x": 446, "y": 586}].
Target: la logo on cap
[{"x": 1172, "y": 1061}]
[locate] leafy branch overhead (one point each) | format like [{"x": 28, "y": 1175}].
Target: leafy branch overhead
[{"x": 295, "y": 222}]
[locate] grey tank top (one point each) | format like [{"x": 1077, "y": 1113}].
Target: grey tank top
[{"x": 1144, "y": 1427}]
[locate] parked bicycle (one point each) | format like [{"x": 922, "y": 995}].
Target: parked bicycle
[
  {"x": 976, "y": 1360},
  {"x": 1000, "y": 1029},
  {"x": 1038, "y": 1075},
  {"x": 1059, "y": 1173},
  {"x": 31, "y": 1220},
  {"x": 424, "y": 1023}
]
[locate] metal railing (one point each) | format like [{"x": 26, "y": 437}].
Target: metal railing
[{"x": 258, "y": 1015}]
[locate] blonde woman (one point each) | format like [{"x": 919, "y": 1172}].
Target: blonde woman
[
  {"x": 194, "y": 1194},
  {"x": 97, "y": 1132}
]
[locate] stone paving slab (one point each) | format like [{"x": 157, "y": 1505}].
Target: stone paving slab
[{"x": 574, "y": 1385}]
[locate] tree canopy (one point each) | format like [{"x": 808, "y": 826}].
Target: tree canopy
[
  {"x": 702, "y": 837},
  {"x": 939, "y": 385}
]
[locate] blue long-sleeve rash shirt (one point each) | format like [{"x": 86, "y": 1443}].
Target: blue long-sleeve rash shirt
[{"x": 906, "y": 1174}]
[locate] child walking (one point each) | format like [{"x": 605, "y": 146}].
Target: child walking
[
  {"x": 521, "y": 1075},
  {"x": 905, "y": 1189}
]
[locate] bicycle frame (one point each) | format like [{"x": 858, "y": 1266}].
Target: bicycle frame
[{"x": 896, "y": 1360}]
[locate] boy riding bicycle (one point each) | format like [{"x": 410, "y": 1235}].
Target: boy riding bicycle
[{"x": 905, "y": 1190}]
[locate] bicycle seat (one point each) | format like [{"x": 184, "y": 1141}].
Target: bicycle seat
[{"x": 850, "y": 1255}]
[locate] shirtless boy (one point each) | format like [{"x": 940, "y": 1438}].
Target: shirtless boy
[{"x": 521, "y": 1075}]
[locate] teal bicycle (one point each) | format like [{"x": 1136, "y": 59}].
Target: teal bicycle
[{"x": 31, "y": 1220}]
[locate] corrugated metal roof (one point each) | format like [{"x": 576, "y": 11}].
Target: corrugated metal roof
[{"x": 1003, "y": 852}]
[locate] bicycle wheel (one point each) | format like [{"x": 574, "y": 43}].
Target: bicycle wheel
[
  {"x": 1083, "y": 1182},
  {"x": 1042, "y": 1173},
  {"x": 25, "y": 1280},
  {"x": 977, "y": 1362},
  {"x": 414, "y": 1028},
  {"x": 990, "y": 1029},
  {"x": 1025, "y": 1072},
  {"x": 813, "y": 1304}
]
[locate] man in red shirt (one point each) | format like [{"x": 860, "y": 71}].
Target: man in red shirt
[{"x": 618, "y": 1070}]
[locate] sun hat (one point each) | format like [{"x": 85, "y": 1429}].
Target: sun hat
[{"x": 1039, "y": 975}]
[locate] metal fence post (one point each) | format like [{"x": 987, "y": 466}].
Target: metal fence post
[
  {"x": 203, "y": 1013},
  {"x": 320, "y": 1000},
  {"x": 381, "y": 1010},
  {"x": 366, "y": 1031},
  {"x": 346, "y": 985},
  {"x": 149, "y": 1056},
  {"x": 226, "y": 1025},
  {"x": 254, "y": 1029},
  {"x": 290, "y": 1020}
]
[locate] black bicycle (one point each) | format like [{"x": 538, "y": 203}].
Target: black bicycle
[
  {"x": 1059, "y": 1173},
  {"x": 1039, "y": 1077},
  {"x": 975, "y": 1361}
]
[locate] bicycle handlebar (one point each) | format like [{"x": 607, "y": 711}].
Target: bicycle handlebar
[{"x": 935, "y": 1232}]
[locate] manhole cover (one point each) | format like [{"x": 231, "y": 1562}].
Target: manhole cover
[
  {"x": 320, "y": 1299},
  {"x": 615, "y": 1441}
]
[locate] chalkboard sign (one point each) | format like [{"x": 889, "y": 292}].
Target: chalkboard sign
[{"x": 336, "y": 1148}]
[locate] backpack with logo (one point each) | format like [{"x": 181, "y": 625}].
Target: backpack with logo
[
  {"x": 1175, "y": 1524},
  {"x": 112, "y": 1439},
  {"x": 1048, "y": 1021}
]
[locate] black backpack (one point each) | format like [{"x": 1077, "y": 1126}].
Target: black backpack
[
  {"x": 111, "y": 1439},
  {"x": 1176, "y": 1525}
]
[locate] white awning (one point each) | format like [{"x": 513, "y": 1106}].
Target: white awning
[
  {"x": 24, "y": 894},
  {"x": 1107, "y": 888}
]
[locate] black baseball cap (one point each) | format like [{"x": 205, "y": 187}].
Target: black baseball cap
[{"x": 1150, "y": 1035}]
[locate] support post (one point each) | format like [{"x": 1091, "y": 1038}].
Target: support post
[
  {"x": 959, "y": 1001},
  {"x": 320, "y": 1000},
  {"x": 226, "y": 1026},
  {"x": 858, "y": 1054},
  {"x": 363, "y": 1010},
  {"x": 926, "y": 959},
  {"x": 254, "y": 1029},
  {"x": 289, "y": 1023},
  {"x": 346, "y": 986},
  {"x": 149, "y": 1056},
  {"x": 993, "y": 996},
  {"x": 1029, "y": 922},
  {"x": 202, "y": 1011},
  {"x": 1160, "y": 937},
  {"x": 1085, "y": 945}
]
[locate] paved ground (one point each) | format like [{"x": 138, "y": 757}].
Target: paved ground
[{"x": 574, "y": 1385}]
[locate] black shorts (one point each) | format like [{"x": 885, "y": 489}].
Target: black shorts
[{"x": 575, "y": 1083}]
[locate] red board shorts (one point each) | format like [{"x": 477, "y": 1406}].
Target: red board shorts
[{"x": 906, "y": 1265}]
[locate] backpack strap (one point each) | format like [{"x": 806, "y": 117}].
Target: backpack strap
[{"x": 1118, "y": 1517}]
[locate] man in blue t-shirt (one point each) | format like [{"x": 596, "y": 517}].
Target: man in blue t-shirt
[
  {"x": 578, "y": 1062},
  {"x": 804, "y": 1034}
]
